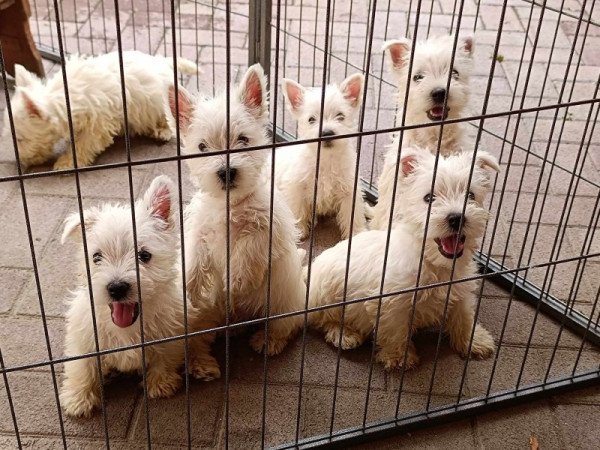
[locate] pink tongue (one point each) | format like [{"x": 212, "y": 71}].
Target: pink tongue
[
  {"x": 437, "y": 110},
  {"x": 452, "y": 244},
  {"x": 123, "y": 314}
]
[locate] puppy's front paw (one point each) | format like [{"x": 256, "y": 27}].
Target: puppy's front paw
[
  {"x": 273, "y": 346},
  {"x": 392, "y": 359},
  {"x": 204, "y": 368},
  {"x": 162, "y": 384},
  {"x": 350, "y": 339},
  {"x": 79, "y": 402},
  {"x": 483, "y": 343},
  {"x": 63, "y": 163}
]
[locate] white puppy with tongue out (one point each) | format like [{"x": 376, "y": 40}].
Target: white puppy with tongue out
[
  {"x": 451, "y": 240},
  {"x": 428, "y": 92},
  {"x": 112, "y": 262}
]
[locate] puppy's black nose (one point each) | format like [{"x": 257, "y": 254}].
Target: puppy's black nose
[
  {"x": 438, "y": 95},
  {"x": 227, "y": 175},
  {"x": 118, "y": 289},
  {"x": 327, "y": 133},
  {"x": 454, "y": 221}
]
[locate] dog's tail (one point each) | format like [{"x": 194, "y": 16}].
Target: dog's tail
[{"x": 187, "y": 67}]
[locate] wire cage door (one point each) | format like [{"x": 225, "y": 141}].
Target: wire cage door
[{"x": 533, "y": 103}]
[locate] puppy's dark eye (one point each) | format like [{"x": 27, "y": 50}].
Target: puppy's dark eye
[
  {"x": 144, "y": 255},
  {"x": 312, "y": 119},
  {"x": 97, "y": 257},
  {"x": 454, "y": 73},
  {"x": 340, "y": 117},
  {"x": 429, "y": 198},
  {"x": 202, "y": 147},
  {"x": 471, "y": 196},
  {"x": 418, "y": 77},
  {"x": 243, "y": 139}
]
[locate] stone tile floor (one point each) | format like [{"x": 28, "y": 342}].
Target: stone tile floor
[{"x": 534, "y": 189}]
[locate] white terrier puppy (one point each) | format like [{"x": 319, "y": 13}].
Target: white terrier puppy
[
  {"x": 40, "y": 111},
  {"x": 429, "y": 77},
  {"x": 295, "y": 167},
  {"x": 204, "y": 128},
  {"x": 117, "y": 305},
  {"x": 451, "y": 236}
]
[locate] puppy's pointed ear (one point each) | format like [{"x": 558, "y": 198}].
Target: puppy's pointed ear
[
  {"x": 352, "y": 88},
  {"x": 409, "y": 161},
  {"x": 185, "y": 104},
  {"x": 24, "y": 78},
  {"x": 159, "y": 199},
  {"x": 293, "y": 93},
  {"x": 399, "y": 52},
  {"x": 252, "y": 91},
  {"x": 72, "y": 224},
  {"x": 31, "y": 107},
  {"x": 467, "y": 44},
  {"x": 487, "y": 161}
]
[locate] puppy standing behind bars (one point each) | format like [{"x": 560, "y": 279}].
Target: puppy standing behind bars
[
  {"x": 451, "y": 241},
  {"x": 431, "y": 68},
  {"x": 40, "y": 110},
  {"x": 295, "y": 167},
  {"x": 204, "y": 127},
  {"x": 116, "y": 303}
]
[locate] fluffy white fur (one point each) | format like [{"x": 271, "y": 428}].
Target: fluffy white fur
[
  {"x": 296, "y": 166},
  {"x": 446, "y": 240},
  {"x": 429, "y": 74},
  {"x": 40, "y": 110},
  {"x": 112, "y": 260},
  {"x": 204, "y": 127}
]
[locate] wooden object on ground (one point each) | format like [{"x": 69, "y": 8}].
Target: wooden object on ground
[{"x": 16, "y": 38}]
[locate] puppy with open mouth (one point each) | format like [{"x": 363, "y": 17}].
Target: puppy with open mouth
[
  {"x": 451, "y": 232},
  {"x": 117, "y": 305},
  {"x": 431, "y": 100}
]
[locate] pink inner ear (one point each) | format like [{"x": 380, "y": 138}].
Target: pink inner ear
[
  {"x": 185, "y": 107},
  {"x": 408, "y": 164},
  {"x": 253, "y": 92},
  {"x": 397, "y": 52},
  {"x": 352, "y": 90},
  {"x": 294, "y": 94},
  {"x": 161, "y": 203},
  {"x": 31, "y": 107}
]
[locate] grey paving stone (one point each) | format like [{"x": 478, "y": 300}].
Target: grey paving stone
[
  {"x": 168, "y": 417},
  {"x": 44, "y": 217},
  {"x": 514, "y": 426},
  {"x": 17, "y": 351},
  {"x": 12, "y": 281},
  {"x": 581, "y": 433},
  {"x": 40, "y": 417}
]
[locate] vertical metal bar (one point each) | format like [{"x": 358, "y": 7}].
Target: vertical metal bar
[
  {"x": 259, "y": 34},
  {"x": 274, "y": 87},
  {"x": 227, "y": 215},
  {"x": 188, "y": 408},
  {"x": 312, "y": 224},
  {"x": 378, "y": 107},
  {"x": 133, "y": 220},
  {"x": 11, "y": 405}
]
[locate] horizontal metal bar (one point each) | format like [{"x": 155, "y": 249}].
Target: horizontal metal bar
[{"x": 438, "y": 416}]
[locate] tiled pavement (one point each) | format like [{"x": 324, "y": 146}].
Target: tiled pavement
[{"x": 540, "y": 173}]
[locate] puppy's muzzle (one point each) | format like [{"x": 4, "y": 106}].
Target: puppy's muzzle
[
  {"x": 438, "y": 95},
  {"x": 122, "y": 312},
  {"x": 227, "y": 176}
]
